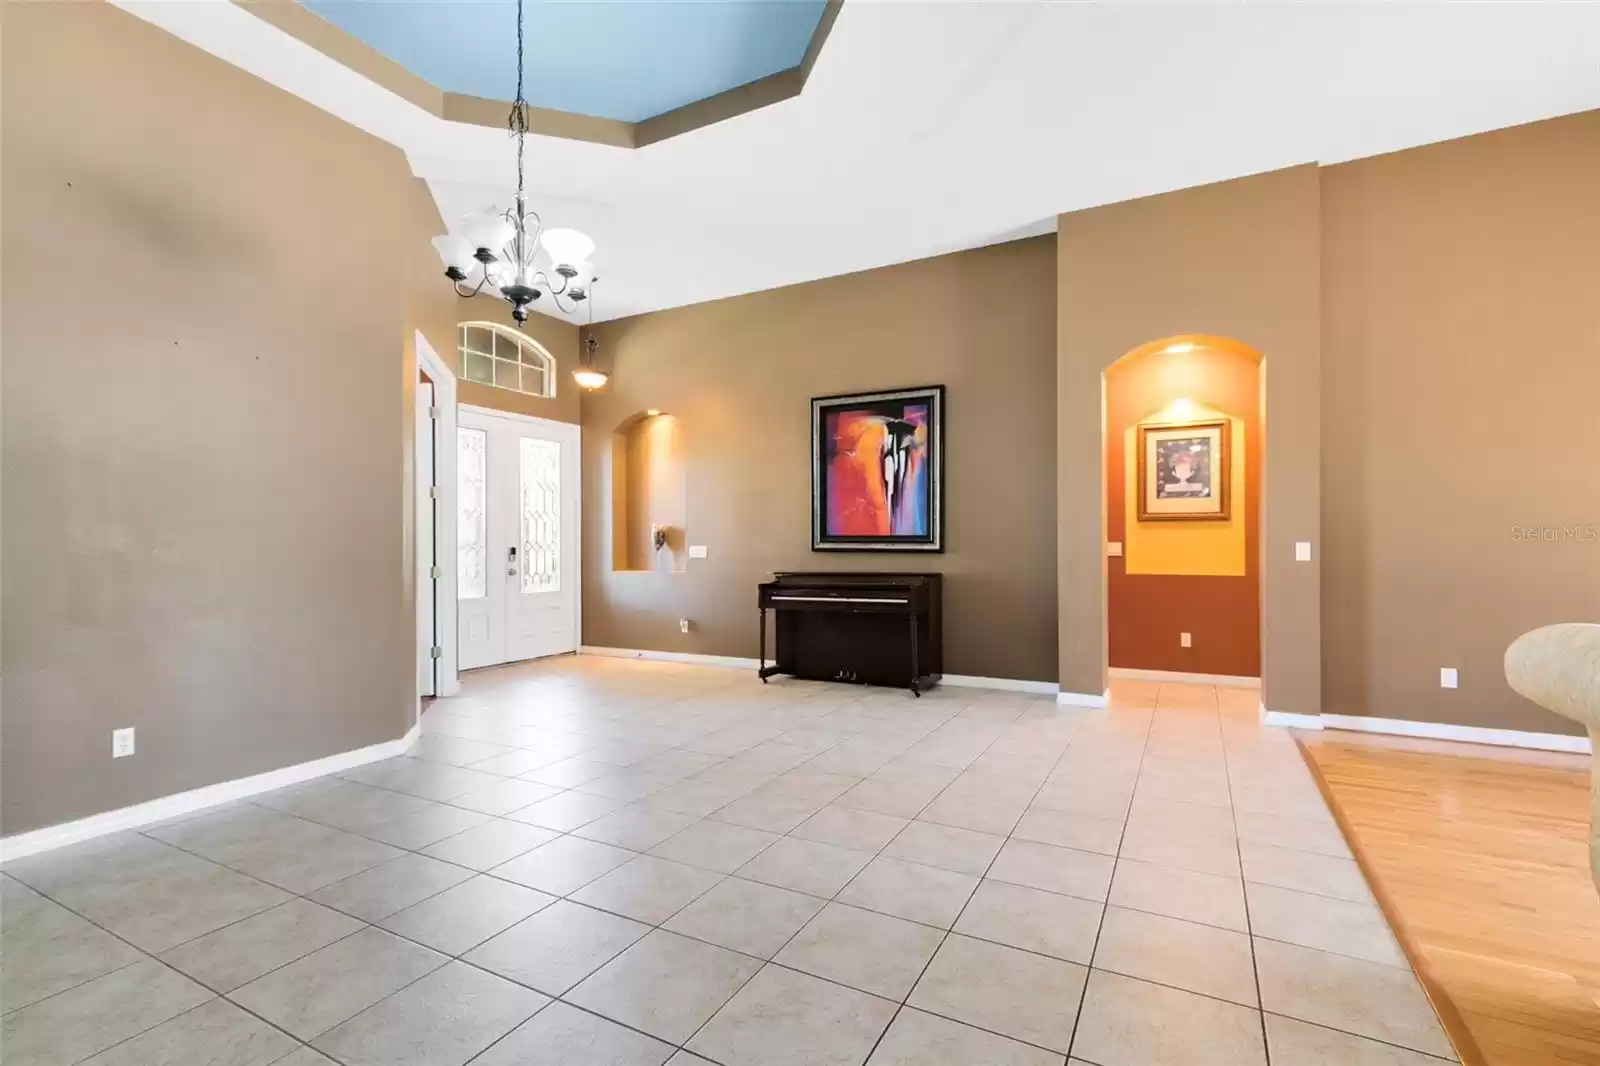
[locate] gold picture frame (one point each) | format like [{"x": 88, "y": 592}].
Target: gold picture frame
[{"x": 1185, "y": 471}]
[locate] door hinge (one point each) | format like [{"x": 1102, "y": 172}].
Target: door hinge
[
  {"x": 435, "y": 573},
  {"x": 433, "y": 492},
  {"x": 435, "y": 652},
  {"x": 433, "y": 412}
]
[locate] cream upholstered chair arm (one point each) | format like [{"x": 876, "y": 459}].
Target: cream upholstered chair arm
[{"x": 1558, "y": 667}]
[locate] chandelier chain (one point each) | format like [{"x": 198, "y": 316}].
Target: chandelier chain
[{"x": 518, "y": 121}]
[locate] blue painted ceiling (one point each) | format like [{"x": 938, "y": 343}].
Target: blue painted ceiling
[{"x": 620, "y": 59}]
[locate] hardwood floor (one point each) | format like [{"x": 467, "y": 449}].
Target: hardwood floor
[{"x": 1480, "y": 858}]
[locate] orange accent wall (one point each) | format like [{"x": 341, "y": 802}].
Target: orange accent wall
[{"x": 1145, "y": 613}]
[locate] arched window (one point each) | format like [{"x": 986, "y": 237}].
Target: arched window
[{"x": 500, "y": 356}]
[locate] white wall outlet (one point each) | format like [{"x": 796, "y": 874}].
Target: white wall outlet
[
  {"x": 1447, "y": 677},
  {"x": 1302, "y": 551},
  {"x": 697, "y": 551},
  {"x": 121, "y": 742},
  {"x": 1185, "y": 640},
  {"x": 1114, "y": 548},
  {"x": 683, "y": 625}
]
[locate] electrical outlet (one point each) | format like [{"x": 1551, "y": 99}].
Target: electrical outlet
[
  {"x": 1114, "y": 548},
  {"x": 1185, "y": 640},
  {"x": 697, "y": 551},
  {"x": 121, "y": 742},
  {"x": 683, "y": 625},
  {"x": 1447, "y": 677}
]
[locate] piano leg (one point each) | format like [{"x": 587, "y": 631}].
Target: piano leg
[
  {"x": 761, "y": 663},
  {"x": 916, "y": 670}
]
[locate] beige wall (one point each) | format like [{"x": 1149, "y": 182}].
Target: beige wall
[
  {"x": 738, "y": 374},
  {"x": 1461, "y": 378},
  {"x": 205, "y": 416},
  {"x": 1238, "y": 260}
]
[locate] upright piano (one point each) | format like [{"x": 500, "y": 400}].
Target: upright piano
[{"x": 871, "y": 629}]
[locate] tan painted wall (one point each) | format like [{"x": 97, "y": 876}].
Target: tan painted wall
[
  {"x": 1240, "y": 260},
  {"x": 1461, "y": 400},
  {"x": 739, "y": 374},
  {"x": 206, "y": 411}
]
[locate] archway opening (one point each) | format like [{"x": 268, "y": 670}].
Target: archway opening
[{"x": 1184, "y": 425}]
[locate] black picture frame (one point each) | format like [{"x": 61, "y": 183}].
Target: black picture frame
[{"x": 886, "y": 404}]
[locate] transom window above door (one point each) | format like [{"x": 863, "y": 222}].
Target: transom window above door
[{"x": 500, "y": 356}]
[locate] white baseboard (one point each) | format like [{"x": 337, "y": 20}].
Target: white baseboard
[
  {"x": 1003, "y": 684},
  {"x": 735, "y": 661},
  {"x": 1399, "y": 727},
  {"x": 157, "y": 810},
  {"x": 1128, "y": 673},
  {"x": 1290, "y": 720},
  {"x": 1083, "y": 699}
]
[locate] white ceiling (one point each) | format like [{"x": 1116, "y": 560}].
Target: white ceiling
[{"x": 928, "y": 127}]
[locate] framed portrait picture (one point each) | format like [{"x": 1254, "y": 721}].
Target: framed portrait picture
[
  {"x": 877, "y": 471},
  {"x": 1184, "y": 472}
]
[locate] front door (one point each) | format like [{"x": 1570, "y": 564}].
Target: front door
[{"x": 517, "y": 534}]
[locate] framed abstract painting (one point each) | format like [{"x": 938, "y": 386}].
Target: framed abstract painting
[
  {"x": 1184, "y": 472},
  {"x": 877, "y": 471}
]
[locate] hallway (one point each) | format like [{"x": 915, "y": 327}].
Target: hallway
[{"x": 590, "y": 860}]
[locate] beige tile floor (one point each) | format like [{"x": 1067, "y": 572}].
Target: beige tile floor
[{"x": 594, "y": 861}]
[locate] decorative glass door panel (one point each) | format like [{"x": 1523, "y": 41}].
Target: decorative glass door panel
[{"x": 541, "y": 515}]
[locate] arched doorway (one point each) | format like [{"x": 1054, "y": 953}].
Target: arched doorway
[{"x": 1183, "y": 453}]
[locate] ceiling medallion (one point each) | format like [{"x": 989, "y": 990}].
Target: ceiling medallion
[{"x": 495, "y": 249}]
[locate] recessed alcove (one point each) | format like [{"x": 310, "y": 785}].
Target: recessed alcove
[{"x": 648, "y": 494}]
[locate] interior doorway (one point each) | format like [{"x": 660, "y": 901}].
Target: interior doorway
[
  {"x": 1183, "y": 450},
  {"x": 517, "y": 537}
]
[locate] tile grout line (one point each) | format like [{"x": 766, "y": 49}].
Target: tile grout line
[
  {"x": 835, "y": 897},
  {"x": 951, "y": 930},
  {"x": 1116, "y": 861},
  {"x": 1244, "y": 894}
]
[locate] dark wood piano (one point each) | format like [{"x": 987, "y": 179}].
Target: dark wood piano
[{"x": 871, "y": 629}]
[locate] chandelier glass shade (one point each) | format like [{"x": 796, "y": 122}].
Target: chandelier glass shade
[{"x": 497, "y": 251}]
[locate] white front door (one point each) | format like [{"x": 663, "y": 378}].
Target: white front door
[{"x": 517, "y": 537}]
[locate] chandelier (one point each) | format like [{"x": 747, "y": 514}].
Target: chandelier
[{"x": 495, "y": 250}]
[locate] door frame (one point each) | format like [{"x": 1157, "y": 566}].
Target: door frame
[
  {"x": 568, "y": 428},
  {"x": 446, "y": 683}
]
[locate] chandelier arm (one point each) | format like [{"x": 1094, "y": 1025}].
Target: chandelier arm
[
  {"x": 468, "y": 293},
  {"x": 541, "y": 278}
]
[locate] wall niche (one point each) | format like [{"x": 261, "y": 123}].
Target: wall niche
[{"x": 648, "y": 494}]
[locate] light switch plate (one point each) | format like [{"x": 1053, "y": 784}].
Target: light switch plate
[
  {"x": 1302, "y": 551},
  {"x": 1114, "y": 548},
  {"x": 1447, "y": 677},
  {"x": 121, "y": 742},
  {"x": 697, "y": 551}
]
